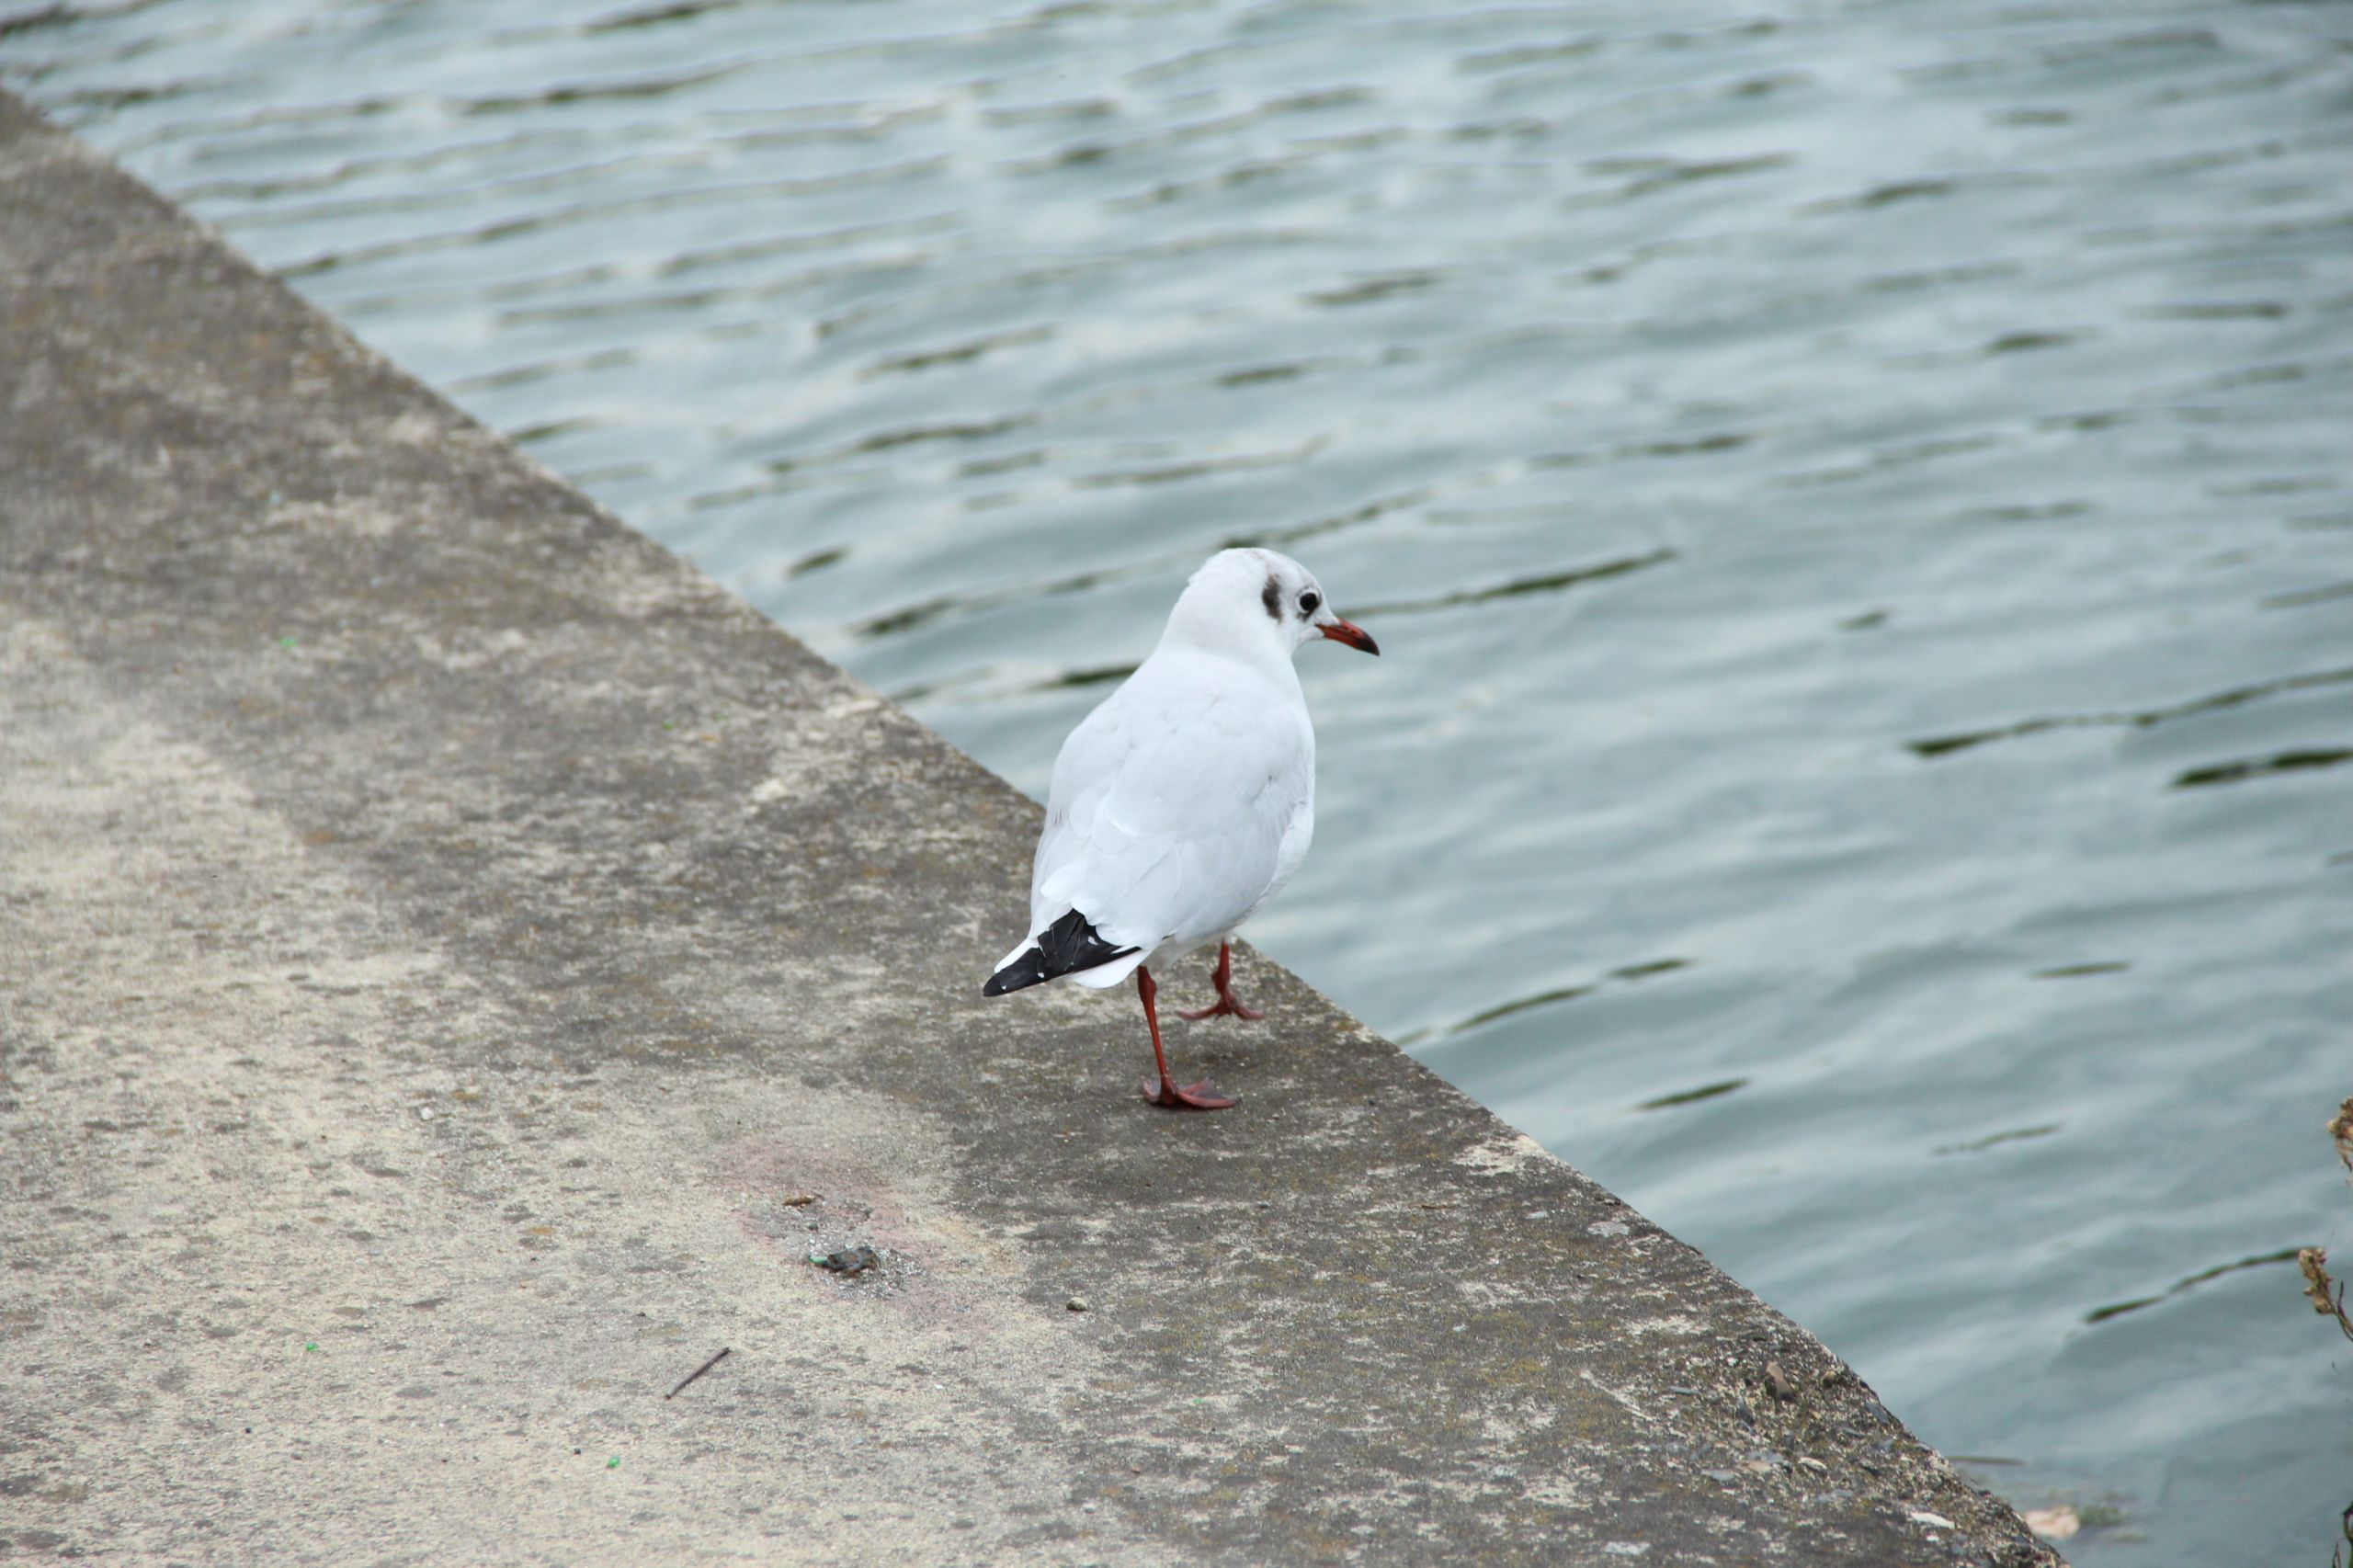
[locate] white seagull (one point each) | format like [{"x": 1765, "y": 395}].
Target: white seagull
[{"x": 1185, "y": 800}]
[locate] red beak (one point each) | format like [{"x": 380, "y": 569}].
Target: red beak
[{"x": 1353, "y": 635}]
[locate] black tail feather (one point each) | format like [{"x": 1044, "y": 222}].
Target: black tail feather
[{"x": 1066, "y": 947}]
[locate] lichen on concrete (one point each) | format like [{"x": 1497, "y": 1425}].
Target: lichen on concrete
[{"x": 428, "y": 1037}]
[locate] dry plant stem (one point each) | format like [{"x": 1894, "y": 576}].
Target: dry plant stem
[{"x": 2327, "y": 1295}]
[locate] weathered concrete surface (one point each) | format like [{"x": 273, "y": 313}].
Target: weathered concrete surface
[{"x": 446, "y": 941}]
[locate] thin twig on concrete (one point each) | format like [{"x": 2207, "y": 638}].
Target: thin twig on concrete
[{"x": 699, "y": 1371}]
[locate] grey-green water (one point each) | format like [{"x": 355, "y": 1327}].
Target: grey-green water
[{"x": 1854, "y": 497}]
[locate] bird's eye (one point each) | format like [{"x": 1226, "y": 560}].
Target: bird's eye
[{"x": 1308, "y": 602}]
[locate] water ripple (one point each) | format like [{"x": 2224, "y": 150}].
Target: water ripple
[
  {"x": 1546, "y": 582},
  {"x": 1945, "y": 745},
  {"x": 2262, "y": 1260},
  {"x": 2261, "y": 767}
]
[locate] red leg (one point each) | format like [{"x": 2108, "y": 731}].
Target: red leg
[
  {"x": 1227, "y": 1002},
  {"x": 1202, "y": 1096}
]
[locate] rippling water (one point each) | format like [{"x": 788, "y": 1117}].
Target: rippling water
[{"x": 1854, "y": 497}]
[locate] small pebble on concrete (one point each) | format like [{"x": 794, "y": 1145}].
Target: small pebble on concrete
[{"x": 849, "y": 1260}]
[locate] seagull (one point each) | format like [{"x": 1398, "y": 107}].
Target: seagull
[{"x": 1184, "y": 800}]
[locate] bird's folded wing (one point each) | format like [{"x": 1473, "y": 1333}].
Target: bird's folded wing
[{"x": 1169, "y": 810}]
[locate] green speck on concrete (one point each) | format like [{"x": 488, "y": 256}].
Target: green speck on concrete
[
  {"x": 310, "y": 1344},
  {"x": 285, "y": 641},
  {"x": 613, "y": 1463}
]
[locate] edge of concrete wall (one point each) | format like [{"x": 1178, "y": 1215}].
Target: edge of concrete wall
[{"x": 463, "y": 965}]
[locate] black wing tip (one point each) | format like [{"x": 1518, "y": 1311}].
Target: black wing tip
[
  {"x": 1069, "y": 945},
  {"x": 1073, "y": 943},
  {"x": 1026, "y": 969}
]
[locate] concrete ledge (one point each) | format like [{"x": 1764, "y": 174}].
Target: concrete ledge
[{"x": 459, "y": 963}]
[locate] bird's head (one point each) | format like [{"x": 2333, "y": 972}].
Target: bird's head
[{"x": 1244, "y": 599}]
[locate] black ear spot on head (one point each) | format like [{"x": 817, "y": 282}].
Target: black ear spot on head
[{"x": 1272, "y": 597}]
